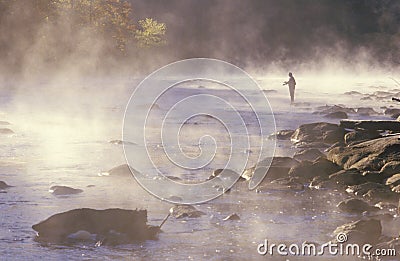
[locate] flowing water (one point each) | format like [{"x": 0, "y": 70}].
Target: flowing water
[{"x": 64, "y": 140}]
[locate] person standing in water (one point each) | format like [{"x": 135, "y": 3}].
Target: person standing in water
[{"x": 292, "y": 86}]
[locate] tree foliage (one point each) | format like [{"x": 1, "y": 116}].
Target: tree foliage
[{"x": 151, "y": 33}]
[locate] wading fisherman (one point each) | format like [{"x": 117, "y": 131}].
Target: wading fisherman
[{"x": 292, "y": 86}]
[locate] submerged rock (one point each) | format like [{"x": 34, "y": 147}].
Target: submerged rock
[
  {"x": 318, "y": 132},
  {"x": 64, "y": 190},
  {"x": 233, "y": 216},
  {"x": 4, "y": 185},
  {"x": 103, "y": 223},
  {"x": 308, "y": 154},
  {"x": 361, "y": 231},
  {"x": 182, "y": 211},
  {"x": 368, "y": 155},
  {"x": 356, "y": 206},
  {"x": 123, "y": 170}
]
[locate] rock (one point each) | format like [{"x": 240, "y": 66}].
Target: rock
[
  {"x": 337, "y": 115},
  {"x": 382, "y": 194},
  {"x": 318, "y": 132},
  {"x": 6, "y": 131},
  {"x": 64, "y": 190},
  {"x": 4, "y": 185},
  {"x": 371, "y": 125},
  {"x": 361, "y": 189},
  {"x": 394, "y": 113},
  {"x": 390, "y": 168},
  {"x": 368, "y": 155},
  {"x": 182, "y": 211},
  {"x": 348, "y": 177},
  {"x": 279, "y": 168},
  {"x": 226, "y": 173},
  {"x": 352, "y": 93},
  {"x": 307, "y": 170},
  {"x": 361, "y": 231},
  {"x": 396, "y": 188},
  {"x": 123, "y": 170},
  {"x": 332, "y": 109},
  {"x": 366, "y": 98},
  {"x": 308, "y": 154},
  {"x": 284, "y": 134},
  {"x": 311, "y": 145},
  {"x": 366, "y": 111},
  {"x": 393, "y": 180},
  {"x": 233, "y": 216},
  {"x": 359, "y": 136},
  {"x": 356, "y": 206},
  {"x": 131, "y": 223},
  {"x": 81, "y": 235},
  {"x": 282, "y": 184}
]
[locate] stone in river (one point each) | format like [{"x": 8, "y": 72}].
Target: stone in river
[
  {"x": 64, "y": 190},
  {"x": 182, "y": 211},
  {"x": 307, "y": 170},
  {"x": 360, "y": 231},
  {"x": 279, "y": 168},
  {"x": 356, "y": 206},
  {"x": 337, "y": 115},
  {"x": 4, "y": 185},
  {"x": 233, "y": 216},
  {"x": 318, "y": 132}
]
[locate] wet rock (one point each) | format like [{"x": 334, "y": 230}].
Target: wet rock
[
  {"x": 394, "y": 113},
  {"x": 390, "y": 168},
  {"x": 307, "y": 170},
  {"x": 361, "y": 189},
  {"x": 381, "y": 194},
  {"x": 393, "y": 181},
  {"x": 356, "y": 206},
  {"x": 6, "y": 131},
  {"x": 288, "y": 183},
  {"x": 361, "y": 231},
  {"x": 359, "y": 136},
  {"x": 182, "y": 211},
  {"x": 123, "y": 170},
  {"x": 233, "y": 216},
  {"x": 284, "y": 134},
  {"x": 319, "y": 182},
  {"x": 278, "y": 168},
  {"x": 396, "y": 189},
  {"x": 368, "y": 155},
  {"x": 310, "y": 145},
  {"x": 348, "y": 177},
  {"x": 327, "y": 109},
  {"x": 308, "y": 154},
  {"x": 130, "y": 223},
  {"x": 337, "y": 115},
  {"x": 318, "y": 132},
  {"x": 4, "y": 185},
  {"x": 352, "y": 93},
  {"x": 366, "y": 111},
  {"x": 371, "y": 125},
  {"x": 64, "y": 190},
  {"x": 226, "y": 173}
]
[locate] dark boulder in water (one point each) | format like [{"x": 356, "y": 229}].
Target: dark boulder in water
[
  {"x": 123, "y": 170},
  {"x": 394, "y": 113},
  {"x": 318, "y": 132},
  {"x": 308, "y": 154},
  {"x": 356, "y": 206},
  {"x": 4, "y": 185},
  {"x": 307, "y": 170},
  {"x": 369, "y": 155},
  {"x": 132, "y": 224},
  {"x": 182, "y": 211},
  {"x": 360, "y": 231},
  {"x": 327, "y": 109},
  {"x": 278, "y": 168},
  {"x": 366, "y": 111},
  {"x": 337, "y": 115},
  {"x": 64, "y": 190}
]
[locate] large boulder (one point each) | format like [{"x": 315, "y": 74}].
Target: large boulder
[
  {"x": 360, "y": 231},
  {"x": 369, "y": 155},
  {"x": 279, "y": 168},
  {"x": 308, "y": 154},
  {"x": 362, "y": 135},
  {"x": 354, "y": 205},
  {"x": 307, "y": 170},
  {"x": 318, "y": 132},
  {"x": 132, "y": 224}
]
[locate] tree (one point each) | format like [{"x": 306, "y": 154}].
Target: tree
[{"x": 151, "y": 33}]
